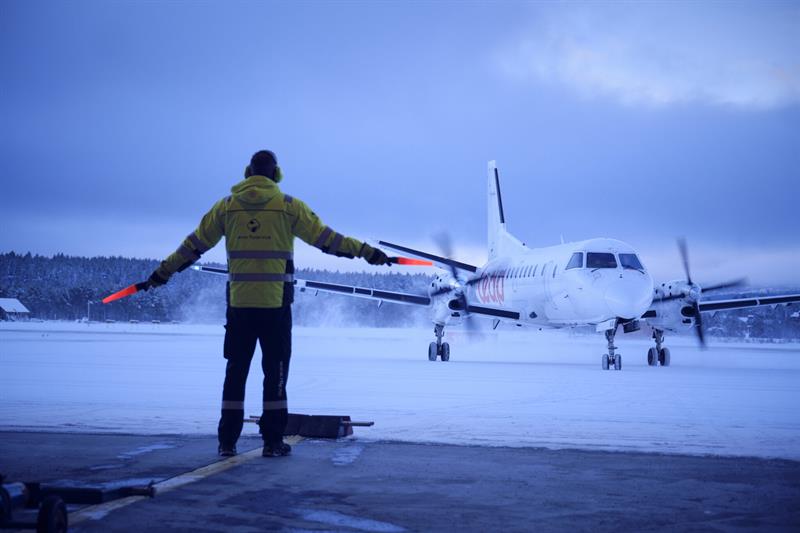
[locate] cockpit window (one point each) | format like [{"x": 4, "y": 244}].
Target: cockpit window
[
  {"x": 600, "y": 260},
  {"x": 576, "y": 261},
  {"x": 630, "y": 261}
]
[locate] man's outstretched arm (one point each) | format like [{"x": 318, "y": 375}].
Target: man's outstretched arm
[
  {"x": 308, "y": 226},
  {"x": 205, "y": 237}
]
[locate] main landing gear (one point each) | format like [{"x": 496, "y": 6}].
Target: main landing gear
[
  {"x": 611, "y": 359},
  {"x": 658, "y": 355},
  {"x": 439, "y": 348}
]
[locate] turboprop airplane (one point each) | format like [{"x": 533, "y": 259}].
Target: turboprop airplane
[{"x": 597, "y": 282}]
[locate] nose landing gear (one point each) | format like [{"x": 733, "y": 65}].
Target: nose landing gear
[
  {"x": 611, "y": 359},
  {"x": 439, "y": 348},
  {"x": 658, "y": 355}
]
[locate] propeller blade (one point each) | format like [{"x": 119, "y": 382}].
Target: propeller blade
[
  {"x": 127, "y": 291},
  {"x": 443, "y": 290},
  {"x": 471, "y": 329},
  {"x": 444, "y": 243},
  {"x": 476, "y": 279},
  {"x": 726, "y": 285},
  {"x": 698, "y": 322},
  {"x": 409, "y": 261},
  {"x": 683, "y": 248}
]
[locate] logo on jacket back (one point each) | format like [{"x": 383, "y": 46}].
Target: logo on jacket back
[{"x": 253, "y": 225}]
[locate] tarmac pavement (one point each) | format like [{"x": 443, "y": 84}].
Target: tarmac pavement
[{"x": 351, "y": 485}]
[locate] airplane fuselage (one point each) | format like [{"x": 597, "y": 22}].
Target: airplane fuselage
[{"x": 578, "y": 283}]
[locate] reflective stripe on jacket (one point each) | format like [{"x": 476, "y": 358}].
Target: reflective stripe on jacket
[{"x": 259, "y": 224}]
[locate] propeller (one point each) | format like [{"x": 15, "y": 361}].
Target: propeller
[
  {"x": 445, "y": 245},
  {"x": 698, "y": 320},
  {"x": 698, "y": 317}
]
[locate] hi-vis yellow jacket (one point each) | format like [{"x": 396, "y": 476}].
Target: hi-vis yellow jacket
[{"x": 259, "y": 223}]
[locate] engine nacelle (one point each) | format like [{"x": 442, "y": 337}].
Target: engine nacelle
[
  {"x": 445, "y": 293},
  {"x": 442, "y": 284},
  {"x": 677, "y": 313},
  {"x": 676, "y": 288}
]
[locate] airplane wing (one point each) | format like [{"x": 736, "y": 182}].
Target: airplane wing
[
  {"x": 440, "y": 261},
  {"x": 304, "y": 285},
  {"x": 711, "y": 306},
  {"x": 739, "y": 303},
  {"x": 493, "y": 312}
]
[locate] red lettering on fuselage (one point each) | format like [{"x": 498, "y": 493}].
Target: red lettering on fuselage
[{"x": 491, "y": 289}]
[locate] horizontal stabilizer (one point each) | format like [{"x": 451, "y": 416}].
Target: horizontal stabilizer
[{"x": 441, "y": 261}]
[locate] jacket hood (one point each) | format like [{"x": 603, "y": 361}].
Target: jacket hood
[{"x": 255, "y": 190}]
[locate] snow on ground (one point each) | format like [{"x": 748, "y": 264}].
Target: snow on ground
[{"x": 512, "y": 387}]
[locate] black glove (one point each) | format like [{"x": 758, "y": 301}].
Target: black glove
[
  {"x": 155, "y": 280},
  {"x": 374, "y": 256}
]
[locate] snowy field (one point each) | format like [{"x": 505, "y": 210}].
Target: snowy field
[{"x": 510, "y": 388}]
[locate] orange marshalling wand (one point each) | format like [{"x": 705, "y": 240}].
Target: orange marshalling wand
[
  {"x": 127, "y": 291},
  {"x": 410, "y": 262}
]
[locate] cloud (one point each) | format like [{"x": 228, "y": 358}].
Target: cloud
[{"x": 726, "y": 54}]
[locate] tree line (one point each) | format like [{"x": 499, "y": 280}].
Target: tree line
[{"x": 65, "y": 287}]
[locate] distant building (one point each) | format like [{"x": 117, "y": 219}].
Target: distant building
[{"x": 12, "y": 309}]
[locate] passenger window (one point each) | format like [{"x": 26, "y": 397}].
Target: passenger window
[
  {"x": 555, "y": 267},
  {"x": 600, "y": 260},
  {"x": 534, "y": 270},
  {"x": 576, "y": 261}
]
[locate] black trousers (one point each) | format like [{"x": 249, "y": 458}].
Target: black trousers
[{"x": 272, "y": 328}]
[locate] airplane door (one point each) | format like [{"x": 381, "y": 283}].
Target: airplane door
[
  {"x": 559, "y": 307},
  {"x": 548, "y": 286}
]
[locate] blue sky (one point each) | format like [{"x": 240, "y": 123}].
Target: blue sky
[{"x": 124, "y": 121}]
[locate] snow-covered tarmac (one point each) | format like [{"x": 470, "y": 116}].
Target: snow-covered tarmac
[{"x": 512, "y": 388}]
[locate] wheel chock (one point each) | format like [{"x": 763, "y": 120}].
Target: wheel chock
[{"x": 318, "y": 426}]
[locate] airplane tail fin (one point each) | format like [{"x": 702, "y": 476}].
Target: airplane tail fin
[{"x": 501, "y": 242}]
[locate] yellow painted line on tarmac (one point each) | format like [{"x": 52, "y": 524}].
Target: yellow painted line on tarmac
[{"x": 96, "y": 512}]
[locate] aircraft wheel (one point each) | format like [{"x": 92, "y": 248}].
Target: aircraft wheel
[
  {"x": 663, "y": 357},
  {"x": 618, "y": 362},
  {"x": 652, "y": 357},
  {"x": 445, "y": 351},
  {"x": 52, "y": 516},
  {"x": 605, "y": 361},
  {"x": 5, "y": 506},
  {"x": 432, "y": 352}
]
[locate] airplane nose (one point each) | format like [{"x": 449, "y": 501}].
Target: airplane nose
[{"x": 630, "y": 296}]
